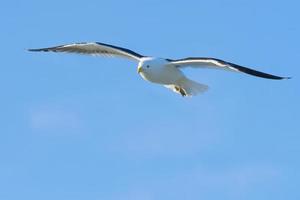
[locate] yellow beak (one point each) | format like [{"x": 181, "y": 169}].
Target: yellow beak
[{"x": 140, "y": 69}]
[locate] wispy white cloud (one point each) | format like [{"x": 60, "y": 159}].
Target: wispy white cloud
[
  {"x": 51, "y": 118},
  {"x": 134, "y": 194},
  {"x": 236, "y": 182},
  {"x": 165, "y": 139}
]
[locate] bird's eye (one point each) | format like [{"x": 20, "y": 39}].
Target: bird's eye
[{"x": 147, "y": 66}]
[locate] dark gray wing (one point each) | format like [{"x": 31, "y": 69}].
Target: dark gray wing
[
  {"x": 94, "y": 48},
  {"x": 202, "y": 62}
]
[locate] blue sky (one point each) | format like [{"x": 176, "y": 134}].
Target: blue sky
[{"x": 76, "y": 127}]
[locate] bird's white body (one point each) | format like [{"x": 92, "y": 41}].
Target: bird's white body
[
  {"x": 157, "y": 70},
  {"x": 160, "y": 71},
  {"x": 166, "y": 72}
]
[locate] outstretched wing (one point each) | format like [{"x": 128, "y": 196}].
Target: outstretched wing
[
  {"x": 202, "y": 62},
  {"x": 94, "y": 48}
]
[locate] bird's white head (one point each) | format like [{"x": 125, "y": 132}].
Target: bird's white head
[
  {"x": 150, "y": 65},
  {"x": 156, "y": 70}
]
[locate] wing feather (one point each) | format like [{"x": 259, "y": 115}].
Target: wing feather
[
  {"x": 94, "y": 48},
  {"x": 203, "y": 62}
]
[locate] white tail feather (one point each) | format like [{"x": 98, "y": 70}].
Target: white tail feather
[{"x": 190, "y": 88}]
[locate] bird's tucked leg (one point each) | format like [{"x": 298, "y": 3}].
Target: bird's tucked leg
[{"x": 180, "y": 90}]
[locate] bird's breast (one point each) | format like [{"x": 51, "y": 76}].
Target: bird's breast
[{"x": 165, "y": 75}]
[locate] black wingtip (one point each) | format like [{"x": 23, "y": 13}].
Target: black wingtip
[
  {"x": 37, "y": 50},
  {"x": 279, "y": 77},
  {"x": 256, "y": 73}
]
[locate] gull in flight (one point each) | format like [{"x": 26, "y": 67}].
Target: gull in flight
[{"x": 167, "y": 72}]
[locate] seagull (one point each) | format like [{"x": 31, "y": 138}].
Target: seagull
[{"x": 166, "y": 72}]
